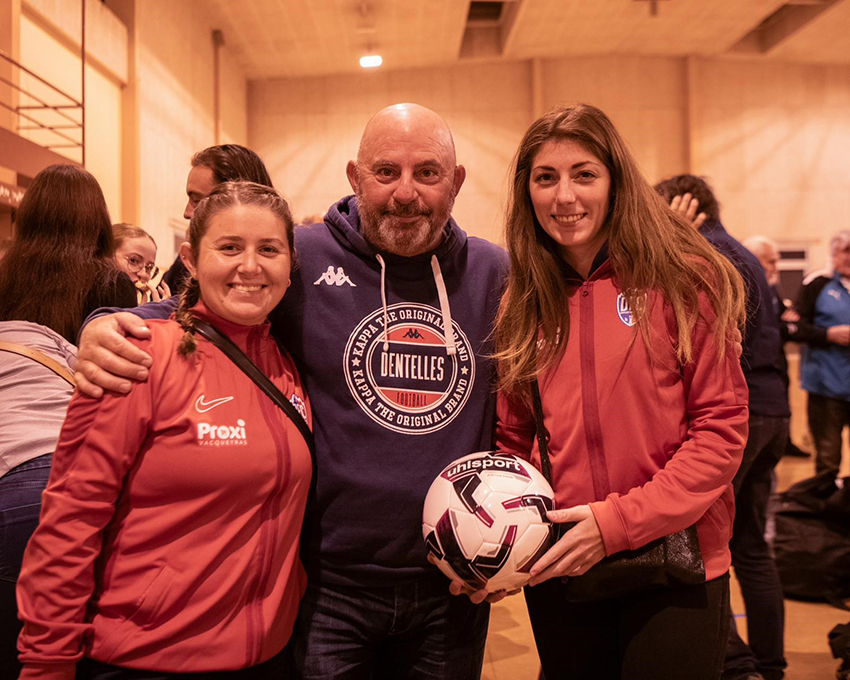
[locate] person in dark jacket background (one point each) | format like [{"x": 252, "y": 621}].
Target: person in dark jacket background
[
  {"x": 824, "y": 326},
  {"x": 211, "y": 167},
  {"x": 763, "y": 364}
]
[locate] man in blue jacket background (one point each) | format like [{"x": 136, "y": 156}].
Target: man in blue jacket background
[{"x": 824, "y": 308}]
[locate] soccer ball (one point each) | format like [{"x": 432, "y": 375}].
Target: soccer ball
[{"x": 485, "y": 520}]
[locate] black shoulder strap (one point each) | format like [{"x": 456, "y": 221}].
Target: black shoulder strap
[
  {"x": 250, "y": 369},
  {"x": 542, "y": 433}
]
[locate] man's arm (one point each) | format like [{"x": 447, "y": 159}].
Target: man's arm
[
  {"x": 806, "y": 331},
  {"x": 106, "y": 359}
]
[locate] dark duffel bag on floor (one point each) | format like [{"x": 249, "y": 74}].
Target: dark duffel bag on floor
[{"x": 812, "y": 543}]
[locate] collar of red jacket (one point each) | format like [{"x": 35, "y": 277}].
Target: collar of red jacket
[
  {"x": 600, "y": 268},
  {"x": 236, "y": 332}
]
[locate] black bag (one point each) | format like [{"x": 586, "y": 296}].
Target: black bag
[
  {"x": 673, "y": 560},
  {"x": 812, "y": 542},
  {"x": 839, "y": 643}
]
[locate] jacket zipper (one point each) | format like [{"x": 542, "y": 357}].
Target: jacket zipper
[
  {"x": 589, "y": 395},
  {"x": 271, "y": 508}
]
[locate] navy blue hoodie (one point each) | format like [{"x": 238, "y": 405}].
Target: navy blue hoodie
[{"x": 391, "y": 409}]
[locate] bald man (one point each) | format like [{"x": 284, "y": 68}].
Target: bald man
[{"x": 395, "y": 399}]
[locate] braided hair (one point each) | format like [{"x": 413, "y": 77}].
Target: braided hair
[{"x": 224, "y": 196}]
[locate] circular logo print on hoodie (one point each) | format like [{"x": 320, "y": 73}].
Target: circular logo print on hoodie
[{"x": 408, "y": 384}]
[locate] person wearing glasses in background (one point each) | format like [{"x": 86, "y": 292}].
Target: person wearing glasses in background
[{"x": 135, "y": 255}]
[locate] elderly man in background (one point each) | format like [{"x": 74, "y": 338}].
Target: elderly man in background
[
  {"x": 824, "y": 308},
  {"x": 766, "y": 251},
  {"x": 389, "y": 319}
]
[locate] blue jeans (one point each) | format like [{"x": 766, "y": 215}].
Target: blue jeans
[
  {"x": 410, "y": 630},
  {"x": 20, "y": 505},
  {"x": 754, "y": 566}
]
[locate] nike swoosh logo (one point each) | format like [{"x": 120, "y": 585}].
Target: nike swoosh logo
[{"x": 202, "y": 406}]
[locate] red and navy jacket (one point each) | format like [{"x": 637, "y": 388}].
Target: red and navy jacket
[{"x": 169, "y": 531}]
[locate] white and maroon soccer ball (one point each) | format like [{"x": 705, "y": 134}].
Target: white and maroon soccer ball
[{"x": 485, "y": 520}]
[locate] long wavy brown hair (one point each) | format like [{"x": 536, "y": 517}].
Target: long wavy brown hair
[
  {"x": 650, "y": 249},
  {"x": 224, "y": 196},
  {"x": 61, "y": 252}
]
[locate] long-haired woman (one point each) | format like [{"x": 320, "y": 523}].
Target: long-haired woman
[
  {"x": 168, "y": 541},
  {"x": 624, "y": 316},
  {"x": 58, "y": 269}
]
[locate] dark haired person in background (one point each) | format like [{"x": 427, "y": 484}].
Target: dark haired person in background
[
  {"x": 763, "y": 364},
  {"x": 60, "y": 265},
  {"x": 212, "y": 166},
  {"x": 58, "y": 269}
]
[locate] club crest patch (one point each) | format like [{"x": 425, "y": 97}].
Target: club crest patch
[
  {"x": 624, "y": 312},
  {"x": 413, "y": 387},
  {"x": 299, "y": 405}
]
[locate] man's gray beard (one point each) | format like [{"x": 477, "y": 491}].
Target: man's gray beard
[{"x": 407, "y": 241}]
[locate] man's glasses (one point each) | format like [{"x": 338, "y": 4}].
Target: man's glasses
[{"x": 136, "y": 264}]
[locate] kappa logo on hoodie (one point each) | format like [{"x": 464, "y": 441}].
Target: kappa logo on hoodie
[
  {"x": 334, "y": 278},
  {"x": 412, "y": 385}
]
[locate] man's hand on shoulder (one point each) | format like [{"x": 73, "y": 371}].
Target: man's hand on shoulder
[{"x": 106, "y": 358}]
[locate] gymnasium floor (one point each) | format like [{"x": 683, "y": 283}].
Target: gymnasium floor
[{"x": 510, "y": 653}]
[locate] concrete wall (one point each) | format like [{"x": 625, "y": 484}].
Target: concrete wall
[{"x": 771, "y": 138}]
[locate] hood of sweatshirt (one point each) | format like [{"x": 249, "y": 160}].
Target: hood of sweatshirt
[{"x": 343, "y": 220}]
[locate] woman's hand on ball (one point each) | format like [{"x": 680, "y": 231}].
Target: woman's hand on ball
[{"x": 578, "y": 549}]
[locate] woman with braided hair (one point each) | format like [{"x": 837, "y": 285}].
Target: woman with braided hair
[{"x": 169, "y": 536}]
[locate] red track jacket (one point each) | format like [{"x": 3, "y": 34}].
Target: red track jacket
[
  {"x": 169, "y": 531},
  {"x": 666, "y": 438}
]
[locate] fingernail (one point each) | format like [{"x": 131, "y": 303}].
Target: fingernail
[
  {"x": 142, "y": 374},
  {"x": 125, "y": 387}
]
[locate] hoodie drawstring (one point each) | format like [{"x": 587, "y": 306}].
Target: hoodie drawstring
[
  {"x": 448, "y": 329},
  {"x": 451, "y": 346},
  {"x": 384, "y": 300}
]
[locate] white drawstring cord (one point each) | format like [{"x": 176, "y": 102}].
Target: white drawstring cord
[
  {"x": 448, "y": 329},
  {"x": 384, "y": 300}
]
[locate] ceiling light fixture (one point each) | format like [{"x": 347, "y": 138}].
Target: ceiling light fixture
[{"x": 371, "y": 60}]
